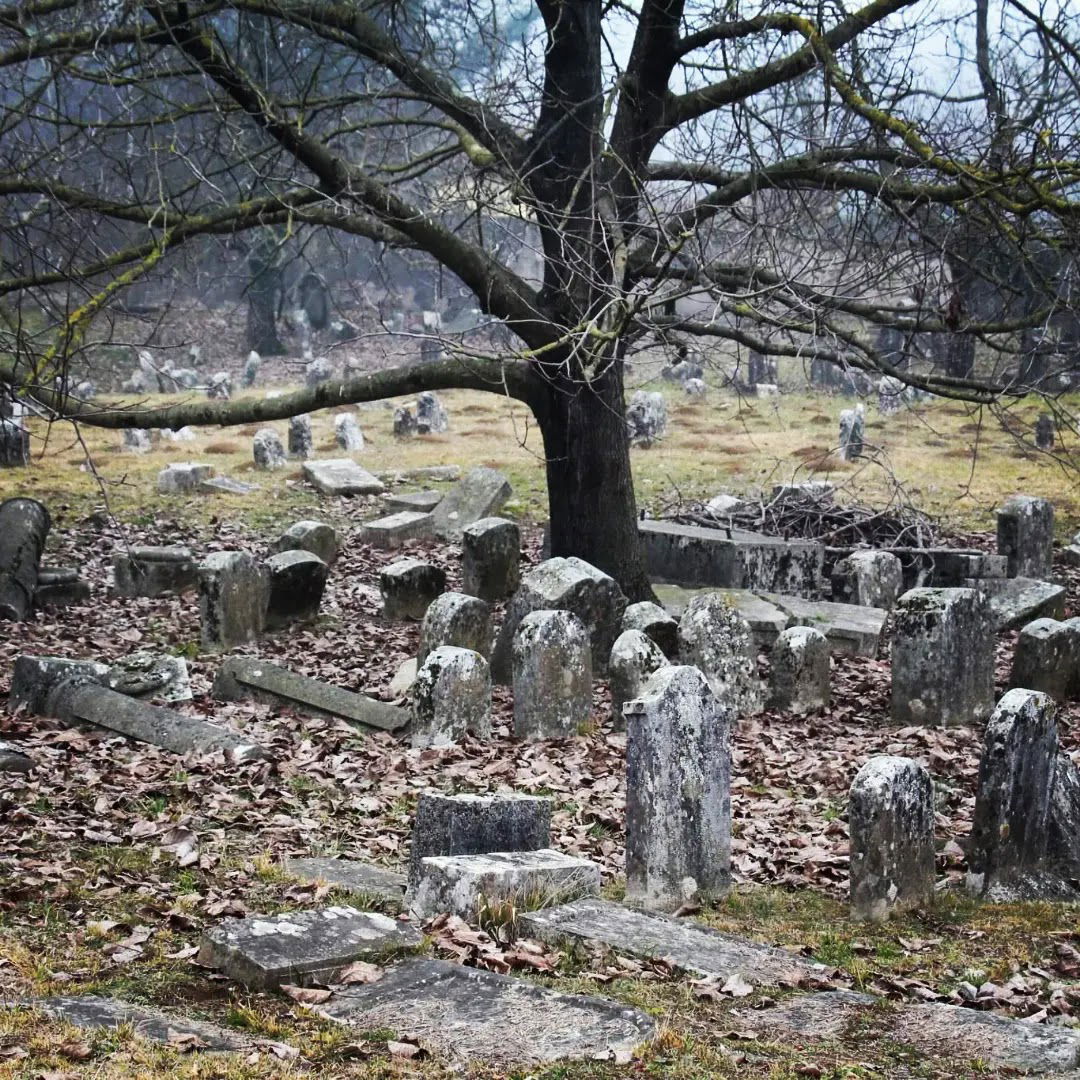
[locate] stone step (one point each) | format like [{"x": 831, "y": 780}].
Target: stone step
[
  {"x": 472, "y": 1015},
  {"x": 351, "y": 875}
]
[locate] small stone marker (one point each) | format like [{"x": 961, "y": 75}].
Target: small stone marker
[
  {"x": 404, "y": 423},
  {"x": 942, "y": 657},
  {"x": 1047, "y": 658},
  {"x": 220, "y": 386},
  {"x": 451, "y": 696},
  {"x": 678, "y": 791},
  {"x": 154, "y": 571},
  {"x": 182, "y": 476},
  {"x": 478, "y": 494},
  {"x": 350, "y": 875},
  {"x": 716, "y": 639},
  {"x": 472, "y": 1016},
  {"x": 318, "y": 370},
  {"x": 314, "y": 536},
  {"x": 297, "y": 582},
  {"x": 431, "y": 417},
  {"x": 1063, "y": 842},
  {"x": 341, "y": 476},
  {"x": 890, "y": 395},
  {"x": 15, "y": 444},
  {"x": 456, "y": 619},
  {"x": 634, "y": 659},
  {"x": 302, "y": 947},
  {"x": 251, "y": 369},
  {"x": 234, "y": 591},
  {"x": 464, "y": 885},
  {"x": 552, "y": 676},
  {"x": 800, "y": 671},
  {"x": 653, "y": 621},
  {"x": 491, "y": 558},
  {"x": 267, "y": 450},
  {"x": 852, "y": 426},
  {"x": 476, "y": 825},
  {"x": 891, "y": 824},
  {"x": 301, "y": 441},
  {"x": 695, "y": 388},
  {"x": 422, "y": 501},
  {"x": 1045, "y": 429},
  {"x": 646, "y": 418},
  {"x": 408, "y": 586},
  {"x": 1025, "y": 535},
  {"x": 136, "y": 441},
  {"x": 392, "y": 531},
  {"x": 347, "y": 432},
  {"x": 869, "y": 579}
]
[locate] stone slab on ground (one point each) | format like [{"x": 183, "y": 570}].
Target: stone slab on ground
[
  {"x": 226, "y": 485},
  {"x": 14, "y": 760},
  {"x": 472, "y": 1015},
  {"x": 766, "y": 620},
  {"x": 479, "y": 494},
  {"x": 246, "y": 678},
  {"x": 681, "y": 942},
  {"x": 852, "y": 630},
  {"x": 301, "y": 947},
  {"x": 34, "y": 677},
  {"x": 392, "y": 531},
  {"x": 1014, "y": 602},
  {"x": 341, "y": 476},
  {"x": 422, "y": 501},
  {"x": 350, "y": 874},
  {"x": 439, "y": 474}
]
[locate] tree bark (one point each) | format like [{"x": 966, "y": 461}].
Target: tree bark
[
  {"x": 24, "y": 525},
  {"x": 262, "y": 296}
]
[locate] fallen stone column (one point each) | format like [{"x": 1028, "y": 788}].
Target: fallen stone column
[{"x": 24, "y": 525}]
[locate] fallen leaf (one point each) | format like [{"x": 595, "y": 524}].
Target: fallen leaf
[{"x": 307, "y": 995}]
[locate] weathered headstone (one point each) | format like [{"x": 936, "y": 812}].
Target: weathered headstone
[
  {"x": 182, "y": 476},
  {"x": 220, "y": 386},
  {"x": 408, "y": 586},
  {"x": 267, "y": 450},
  {"x": 392, "y": 531},
  {"x": 1016, "y": 601},
  {"x": 491, "y": 558},
  {"x": 137, "y": 441},
  {"x": 646, "y": 418},
  {"x": 716, "y": 639},
  {"x": 13, "y": 760},
  {"x": 431, "y": 416},
  {"x": 24, "y": 528},
  {"x": 852, "y": 426},
  {"x": 653, "y": 621},
  {"x": 1047, "y": 658},
  {"x": 868, "y": 578},
  {"x": 1045, "y": 430},
  {"x": 151, "y": 677},
  {"x": 478, "y": 494},
  {"x": 695, "y": 388},
  {"x": 404, "y": 423},
  {"x": 234, "y": 590},
  {"x": 350, "y": 875},
  {"x": 451, "y": 696},
  {"x": 942, "y": 657},
  {"x": 678, "y": 791},
  {"x": 890, "y": 395},
  {"x": 1025, "y": 535},
  {"x": 552, "y": 676},
  {"x": 297, "y": 582},
  {"x": 15, "y": 443},
  {"x": 33, "y": 678},
  {"x": 347, "y": 432},
  {"x": 341, "y": 476},
  {"x": 251, "y": 369},
  {"x": 891, "y": 825},
  {"x": 422, "y": 501},
  {"x": 456, "y": 619},
  {"x": 800, "y": 671},
  {"x": 154, "y": 571},
  {"x": 318, "y": 371},
  {"x": 1063, "y": 839},
  {"x": 301, "y": 441},
  {"x": 60, "y": 586},
  {"x": 314, "y": 536},
  {"x": 634, "y": 659}
]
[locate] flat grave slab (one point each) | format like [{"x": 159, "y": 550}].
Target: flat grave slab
[
  {"x": 226, "y": 485},
  {"x": 852, "y": 630},
  {"x": 473, "y": 1015},
  {"x": 680, "y": 942},
  {"x": 1014, "y": 602},
  {"x": 34, "y": 677},
  {"x": 350, "y": 874},
  {"x": 422, "y": 501},
  {"x": 439, "y": 474},
  {"x": 341, "y": 476},
  {"x": 392, "y": 531},
  {"x": 766, "y": 620}
]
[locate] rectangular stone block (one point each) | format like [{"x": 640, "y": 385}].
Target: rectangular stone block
[
  {"x": 1015, "y": 601},
  {"x": 60, "y": 586},
  {"x": 421, "y": 501},
  {"x": 851, "y": 630},
  {"x": 234, "y": 594},
  {"x": 341, "y": 476},
  {"x": 34, "y": 677},
  {"x": 480, "y": 493},
  {"x": 154, "y": 571},
  {"x": 392, "y": 531},
  {"x": 182, "y": 476},
  {"x": 350, "y": 875}
]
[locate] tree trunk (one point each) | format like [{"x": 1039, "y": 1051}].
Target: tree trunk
[
  {"x": 590, "y": 483},
  {"x": 262, "y": 295}
]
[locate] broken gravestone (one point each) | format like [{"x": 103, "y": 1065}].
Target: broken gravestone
[
  {"x": 297, "y": 582},
  {"x": 350, "y": 875},
  {"x": 478, "y": 494},
  {"x": 456, "y": 619},
  {"x": 491, "y": 558},
  {"x": 341, "y": 476},
  {"x": 314, "y": 536},
  {"x": 234, "y": 591},
  {"x": 716, "y": 639},
  {"x": 154, "y": 571},
  {"x": 634, "y": 659},
  {"x": 408, "y": 586}
]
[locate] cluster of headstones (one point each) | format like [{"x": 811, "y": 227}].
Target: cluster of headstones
[
  {"x": 150, "y": 378},
  {"x": 688, "y": 372},
  {"x": 269, "y": 452},
  {"x": 430, "y": 419}
]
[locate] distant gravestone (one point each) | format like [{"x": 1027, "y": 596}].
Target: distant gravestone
[
  {"x": 234, "y": 590},
  {"x": 1045, "y": 430},
  {"x": 318, "y": 371},
  {"x": 408, "y": 587},
  {"x": 297, "y": 582},
  {"x": 456, "y": 619},
  {"x": 800, "y": 666},
  {"x": 251, "y": 369},
  {"x": 137, "y": 441},
  {"x": 267, "y": 450},
  {"x": 15, "y": 443},
  {"x": 314, "y": 536},
  {"x": 1047, "y": 658},
  {"x": 869, "y": 579},
  {"x": 653, "y": 621},
  {"x": 890, "y": 395},
  {"x": 392, "y": 531},
  {"x": 1025, "y": 536},
  {"x": 182, "y": 476},
  {"x": 646, "y": 418},
  {"x": 341, "y": 476},
  {"x": 431, "y": 416},
  {"x": 852, "y": 426},
  {"x": 716, "y": 639},
  {"x": 451, "y": 696},
  {"x": 220, "y": 386},
  {"x": 552, "y": 676},
  {"x": 347, "y": 432},
  {"x": 695, "y": 388},
  {"x": 301, "y": 441},
  {"x": 478, "y": 494},
  {"x": 491, "y": 558},
  {"x": 404, "y": 423},
  {"x": 634, "y": 659}
]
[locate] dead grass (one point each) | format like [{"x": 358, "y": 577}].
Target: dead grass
[{"x": 224, "y": 447}]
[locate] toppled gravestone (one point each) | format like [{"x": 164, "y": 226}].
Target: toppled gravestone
[
  {"x": 800, "y": 670},
  {"x": 451, "y": 696},
  {"x": 869, "y": 579},
  {"x": 341, "y": 476},
  {"x": 456, "y": 619},
  {"x": 145, "y": 570},
  {"x": 1017, "y": 600},
  {"x": 408, "y": 586},
  {"x": 634, "y": 659},
  {"x": 234, "y": 591},
  {"x": 716, "y": 639},
  {"x": 491, "y": 558},
  {"x": 314, "y": 536},
  {"x": 1025, "y": 535},
  {"x": 24, "y": 527},
  {"x": 302, "y": 947},
  {"x": 552, "y": 676},
  {"x": 60, "y": 586},
  {"x": 1047, "y": 658},
  {"x": 390, "y": 532},
  {"x": 851, "y": 630},
  {"x": 678, "y": 791},
  {"x": 268, "y": 450},
  {"x": 655, "y": 623},
  {"x": 13, "y": 760},
  {"x": 478, "y": 494},
  {"x": 422, "y": 501},
  {"x": 182, "y": 476},
  {"x": 350, "y": 875},
  {"x": 297, "y": 583},
  {"x": 34, "y": 677}
]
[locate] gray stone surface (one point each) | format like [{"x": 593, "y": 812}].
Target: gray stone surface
[
  {"x": 59, "y": 586},
  {"x": 268, "y": 450},
  {"x": 678, "y": 791},
  {"x": 314, "y": 536},
  {"x": 491, "y": 558},
  {"x": 136, "y": 441},
  {"x": 297, "y": 583},
  {"x": 852, "y": 428},
  {"x": 716, "y": 639},
  {"x": 451, "y": 696},
  {"x": 392, "y": 531},
  {"x": 151, "y": 676},
  {"x": 350, "y": 875},
  {"x": 431, "y": 418},
  {"x": 478, "y": 494},
  {"x": 226, "y": 485},
  {"x": 33, "y": 678},
  {"x": 302, "y": 947},
  {"x": 869, "y": 579},
  {"x": 1047, "y": 658},
  {"x": 422, "y": 473},
  {"x": 234, "y": 591},
  {"x": 552, "y": 676},
  {"x": 301, "y": 441},
  {"x": 471, "y": 1016},
  {"x": 1063, "y": 836},
  {"x": 422, "y": 501},
  {"x": 347, "y": 432},
  {"x": 1017, "y": 600},
  {"x": 247, "y": 678},
  {"x": 476, "y": 825},
  {"x": 683, "y": 943},
  {"x": 800, "y": 670},
  {"x": 851, "y": 630},
  {"x": 634, "y": 659},
  {"x": 456, "y": 619},
  {"x": 942, "y": 657},
  {"x": 408, "y": 586},
  {"x": 646, "y": 418},
  {"x": 154, "y": 571},
  {"x": 341, "y": 476},
  {"x": 13, "y": 760},
  {"x": 464, "y": 885},
  {"x": 655, "y": 623},
  {"x": 182, "y": 476},
  {"x": 891, "y": 828},
  {"x": 1025, "y": 536}
]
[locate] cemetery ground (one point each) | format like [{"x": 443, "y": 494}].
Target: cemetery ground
[{"x": 116, "y": 856}]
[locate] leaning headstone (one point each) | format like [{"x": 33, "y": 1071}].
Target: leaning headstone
[
  {"x": 234, "y": 590},
  {"x": 891, "y": 825},
  {"x": 220, "y": 386},
  {"x": 634, "y": 659},
  {"x": 678, "y": 792},
  {"x": 300, "y": 437},
  {"x": 182, "y": 476},
  {"x": 1025, "y": 535},
  {"x": 408, "y": 586},
  {"x": 800, "y": 671},
  {"x": 456, "y": 619},
  {"x": 341, "y": 476},
  {"x": 852, "y": 426},
  {"x": 154, "y": 571},
  {"x": 890, "y": 395},
  {"x": 478, "y": 494},
  {"x": 320, "y": 370},
  {"x": 24, "y": 527},
  {"x": 552, "y": 676},
  {"x": 404, "y": 423},
  {"x": 1044, "y": 432},
  {"x": 297, "y": 583},
  {"x": 646, "y": 418},
  {"x": 942, "y": 657},
  {"x": 869, "y": 579},
  {"x": 1047, "y": 658},
  {"x": 267, "y": 450},
  {"x": 717, "y": 640},
  {"x": 137, "y": 441},
  {"x": 15, "y": 443},
  {"x": 653, "y": 621},
  {"x": 451, "y": 696},
  {"x": 430, "y": 414},
  {"x": 314, "y": 536},
  {"x": 251, "y": 369},
  {"x": 347, "y": 432},
  {"x": 491, "y": 558}
]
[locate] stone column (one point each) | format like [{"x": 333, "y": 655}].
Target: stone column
[
  {"x": 491, "y": 558},
  {"x": 1025, "y": 535}
]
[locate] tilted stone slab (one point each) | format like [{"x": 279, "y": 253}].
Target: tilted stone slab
[
  {"x": 681, "y": 942},
  {"x": 242, "y": 678},
  {"x": 438, "y": 474},
  {"x": 479, "y": 494},
  {"x": 350, "y": 875},
  {"x": 392, "y": 531},
  {"x": 766, "y": 620},
  {"x": 13, "y": 760},
  {"x": 301, "y": 947},
  {"x": 342, "y": 476},
  {"x": 60, "y": 586},
  {"x": 851, "y": 630},
  {"x": 1019, "y": 600},
  {"x": 473, "y": 1015}
]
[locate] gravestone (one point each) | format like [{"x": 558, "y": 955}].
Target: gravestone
[
  {"x": 318, "y": 371},
  {"x": 1045, "y": 430},
  {"x": 634, "y": 659},
  {"x": 653, "y": 621},
  {"x": 1047, "y": 658},
  {"x": 891, "y": 826},
  {"x": 1025, "y": 535},
  {"x": 24, "y": 528},
  {"x": 1063, "y": 839},
  {"x": 251, "y": 369},
  {"x": 314, "y": 536},
  {"x": 267, "y": 450},
  {"x": 150, "y": 677},
  {"x": 869, "y": 579},
  {"x": 942, "y": 657},
  {"x": 800, "y": 671},
  {"x": 478, "y": 494},
  {"x": 678, "y": 792},
  {"x": 1016, "y": 601},
  {"x": 646, "y": 418},
  {"x": 456, "y": 619},
  {"x": 390, "y": 532},
  {"x": 408, "y": 587},
  {"x": 422, "y": 501},
  {"x": 297, "y": 583},
  {"x": 890, "y": 395},
  {"x": 225, "y": 485},
  {"x": 33, "y": 679},
  {"x": 182, "y": 476},
  {"x": 451, "y": 696},
  {"x": 491, "y": 558},
  {"x": 13, "y": 760},
  {"x": 347, "y": 432},
  {"x": 15, "y": 443},
  {"x": 341, "y": 476},
  {"x": 137, "y": 441},
  {"x": 552, "y": 676},
  {"x": 431, "y": 417},
  {"x": 852, "y": 426},
  {"x": 301, "y": 441},
  {"x": 234, "y": 590},
  {"x": 695, "y": 388},
  {"x": 154, "y": 571},
  {"x": 716, "y": 639},
  {"x": 404, "y": 423},
  {"x": 60, "y": 586},
  {"x": 220, "y": 386}
]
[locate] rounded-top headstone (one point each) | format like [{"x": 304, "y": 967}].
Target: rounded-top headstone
[
  {"x": 456, "y": 619},
  {"x": 552, "y": 675},
  {"x": 715, "y": 638}
]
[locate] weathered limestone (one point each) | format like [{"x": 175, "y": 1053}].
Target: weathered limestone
[
  {"x": 13, "y": 760},
  {"x": 890, "y": 395},
  {"x": 137, "y": 441},
  {"x": 347, "y": 432},
  {"x": 219, "y": 388},
  {"x": 243, "y": 678},
  {"x": 1025, "y": 535},
  {"x": 852, "y": 427},
  {"x": 314, "y": 536},
  {"x": 318, "y": 370},
  {"x": 646, "y": 418},
  {"x": 267, "y": 450},
  {"x": 297, "y": 583},
  {"x": 234, "y": 592},
  {"x": 1016, "y": 601},
  {"x": 1063, "y": 838},
  {"x": 655, "y": 623},
  {"x": 564, "y": 585},
  {"x": 154, "y": 571},
  {"x": 302, "y": 947},
  {"x": 431, "y": 416},
  {"x": 408, "y": 586},
  {"x": 390, "y": 532},
  {"x": 226, "y": 485},
  {"x": 422, "y": 474},
  {"x": 942, "y": 657},
  {"x": 14, "y": 443},
  {"x": 891, "y": 825},
  {"x": 251, "y": 369},
  {"x": 404, "y": 423},
  {"x": 24, "y": 527},
  {"x": 422, "y": 501},
  {"x": 456, "y": 619},
  {"x": 350, "y": 875},
  {"x": 151, "y": 676},
  {"x": 678, "y": 791},
  {"x": 451, "y": 696},
  {"x": 60, "y": 586},
  {"x": 869, "y": 579},
  {"x": 695, "y": 388},
  {"x": 478, "y": 494},
  {"x": 552, "y": 676},
  {"x": 182, "y": 476},
  {"x": 341, "y": 476},
  {"x": 634, "y": 659},
  {"x": 491, "y": 558},
  {"x": 851, "y": 630},
  {"x": 301, "y": 440},
  {"x": 34, "y": 677},
  {"x": 1045, "y": 429},
  {"x": 800, "y": 671},
  {"x": 1047, "y": 658},
  {"x": 716, "y": 639}
]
